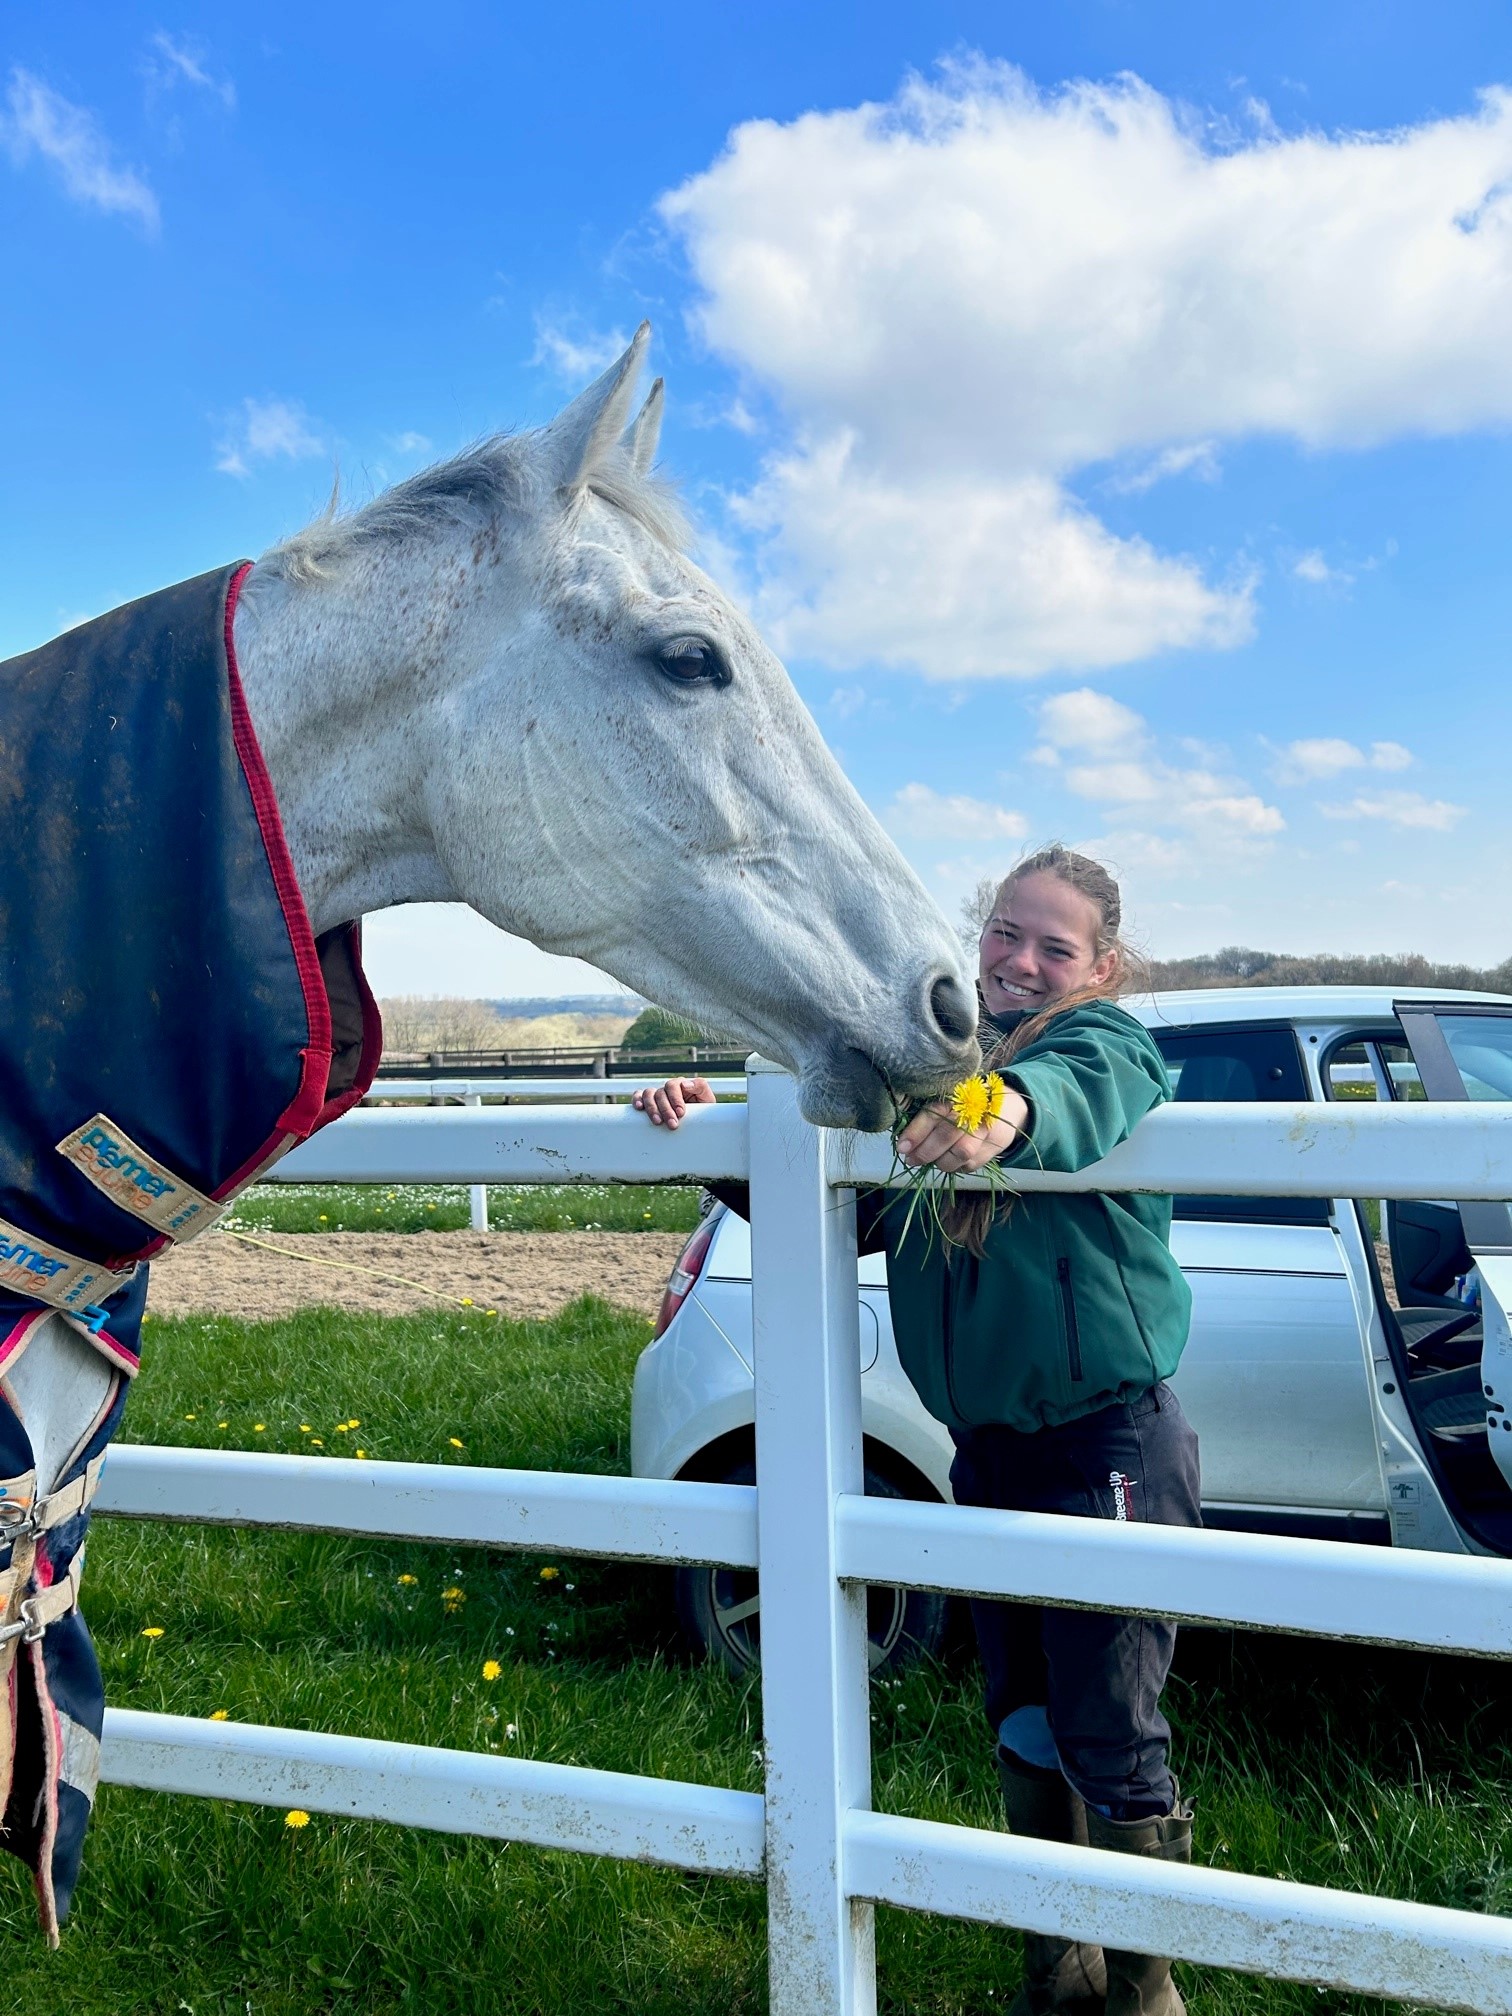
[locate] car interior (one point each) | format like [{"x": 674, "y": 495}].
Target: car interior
[{"x": 1421, "y": 1266}]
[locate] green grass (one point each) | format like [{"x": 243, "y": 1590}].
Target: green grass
[
  {"x": 1352, "y": 1767},
  {"x": 414, "y": 1207}
]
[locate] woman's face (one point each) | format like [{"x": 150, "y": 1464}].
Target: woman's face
[{"x": 1039, "y": 943}]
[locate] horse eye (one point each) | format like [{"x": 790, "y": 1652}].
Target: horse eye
[{"x": 690, "y": 660}]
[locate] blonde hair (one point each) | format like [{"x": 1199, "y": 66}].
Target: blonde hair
[{"x": 966, "y": 1220}]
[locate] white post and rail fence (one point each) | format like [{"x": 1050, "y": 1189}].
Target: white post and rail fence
[{"x": 826, "y": 1857}]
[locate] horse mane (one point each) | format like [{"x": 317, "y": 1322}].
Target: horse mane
[{"x": 497, "y": 477}]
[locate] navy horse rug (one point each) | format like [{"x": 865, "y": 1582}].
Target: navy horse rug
[{"x": 169, "y": 1026}]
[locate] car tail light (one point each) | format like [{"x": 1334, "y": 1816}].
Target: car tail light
[{"x": 689, "y": 1266}]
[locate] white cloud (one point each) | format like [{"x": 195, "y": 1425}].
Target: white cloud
[
  {"x": 267, "y": 430},
  {"x": 38, "y": 121},
  {"x": 1075, "y": 275},
  {"x": 1104, "y": 752},
  {"x": 1198, "y": 459},
  {"x": 1400, "y": 808},
  {"x": 1314, "y": 568},
  {"x": 1329, "y": 756},
  {"x": 184, "y": 61},
  {"x": 1091, "y": 721},
  {"x": 576, "y": 356},
  {"x": 966, "y": 296},
  {"x": 922, "y": 814},
  {"x": 963, "y": 578},
  {"x": 411, "y": 443},
  {"x": 848, "y": 700}
]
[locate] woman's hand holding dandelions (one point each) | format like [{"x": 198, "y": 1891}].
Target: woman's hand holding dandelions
[{"x": 936, "y": 1138}]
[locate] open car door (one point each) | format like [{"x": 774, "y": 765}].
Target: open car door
[{"x": 1463, "y": 1051}]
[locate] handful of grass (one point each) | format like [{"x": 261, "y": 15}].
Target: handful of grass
[{"x": 971, "y": 1104}]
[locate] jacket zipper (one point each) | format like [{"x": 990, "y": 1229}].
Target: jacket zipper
[
  {"x": 1068, "y": 1309},
  {"x": 947, "y": 1338}
]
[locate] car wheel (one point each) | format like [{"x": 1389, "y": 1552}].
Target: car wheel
[{"x": 720, "y": 1608}]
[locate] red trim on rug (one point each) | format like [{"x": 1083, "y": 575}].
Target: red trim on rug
[
  {"x": 303, "y": 1111},
  {"x": 113, "y": 1349},
  {"x": 19, "y": 1331},
  {"x": 372, "y": 1041}
]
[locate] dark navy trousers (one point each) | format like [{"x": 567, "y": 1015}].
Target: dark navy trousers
[{"x": 1099, "y": 1677}]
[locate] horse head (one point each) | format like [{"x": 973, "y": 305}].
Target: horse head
[{"x": 585, "y": 739}]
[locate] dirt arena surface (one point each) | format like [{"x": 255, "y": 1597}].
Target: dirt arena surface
[{"x": 517, "y": 1273}]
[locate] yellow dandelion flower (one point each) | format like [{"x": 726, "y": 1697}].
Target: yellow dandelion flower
[
  {"x": 550, "y": 1574},
  {"x": 305, "y": 1428},
  {"x": 258, "y": 1427},
  {"x": 454, "y": 1597},
  {"x": 354, "y": 1422},
  {"x": 316, "y": 1442},
  {"x": 220, "y": 1715},
  {"x": 152, "y": 1630},
  {"x": 223, "y": 1424},
  {"x": 297, "y": 1818},
  {"x": 341, "y": 1427},
  {"x": 455, "y": 1441},
  {"x": 323, "y": 1219},
  {"x": 467, "y": 1301},
  {"x": 490, "y": 1312},
  {"x": 491, "y": 1669},
  {"x": 408, "y": 1581},
  {"x": 361, "y": 1455},
  {"x": 975, "y": 1101},
  {"x": 191, "y": 1417}
]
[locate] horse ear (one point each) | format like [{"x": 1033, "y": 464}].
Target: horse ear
[
  {"x": 579, "y": 437},
  {"x": 644, "y": 431}
]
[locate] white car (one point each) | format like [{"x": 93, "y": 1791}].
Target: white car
[{"x": 1328, "y": 1402}]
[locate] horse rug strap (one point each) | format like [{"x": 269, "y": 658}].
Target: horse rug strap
[{"x": 169, "y": 1026}]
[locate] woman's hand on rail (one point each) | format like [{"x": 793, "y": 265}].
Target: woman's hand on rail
[
  {"x": 932, "y": 1140},
  {"x": 665, "y": 1105}
]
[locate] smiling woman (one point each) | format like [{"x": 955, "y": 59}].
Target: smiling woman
[{"x": 1040, "y": 1330}]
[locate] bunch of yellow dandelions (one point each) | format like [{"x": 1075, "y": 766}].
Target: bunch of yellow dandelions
[{"x": 971, "y": 1104}]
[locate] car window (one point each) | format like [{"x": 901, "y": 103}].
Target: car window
[
  {"x": 1481, "y": 1046},
  {"x": 1243, "y": 1065},
  {"x": 1349, "y": 1073},
  {"x": 1398, "y": 1063}
]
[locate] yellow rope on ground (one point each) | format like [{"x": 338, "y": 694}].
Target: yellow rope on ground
[{"x": 353, "y": 1267}]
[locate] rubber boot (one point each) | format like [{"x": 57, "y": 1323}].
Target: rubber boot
[
  {"x": 1138, "y": 1983},
  {"x": 1059, "y": 1975}
]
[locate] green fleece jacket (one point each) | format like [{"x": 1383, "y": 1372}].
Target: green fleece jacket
[{"x": 1077, "y": 1301}]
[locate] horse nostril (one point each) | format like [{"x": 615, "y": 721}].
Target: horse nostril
[{"x": 953, "y": 1011}]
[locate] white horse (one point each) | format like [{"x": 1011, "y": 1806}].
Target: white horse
[{"x": 503, "y": 682}]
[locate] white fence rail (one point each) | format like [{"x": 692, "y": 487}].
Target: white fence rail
[{"x": 827, "y": 1859}]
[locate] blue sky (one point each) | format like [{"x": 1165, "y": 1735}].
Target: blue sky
[{"x": 1110, "y": 425}]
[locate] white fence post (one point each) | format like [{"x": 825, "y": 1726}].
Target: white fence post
[
  {"x": 813, "y": 1627},
  {"x": 477, "y": 1192}
]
